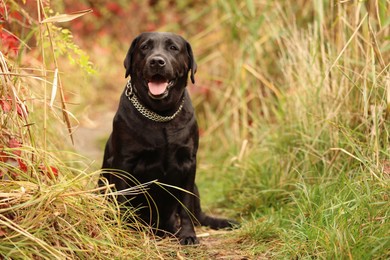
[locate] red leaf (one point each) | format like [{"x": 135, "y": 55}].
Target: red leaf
[
  {"x": 9, "y": 42},
  {"x": 19, "y": 110},
  {"x": 13, "y": 143},
  {"x": 22, "y": 165},
  {"x": 49, "y": 171},
  {"x": 5, "y": 105}
]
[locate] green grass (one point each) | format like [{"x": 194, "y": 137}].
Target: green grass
[
  {"x": 311, "y": 99},
  {"x": 293, "y": 104}
]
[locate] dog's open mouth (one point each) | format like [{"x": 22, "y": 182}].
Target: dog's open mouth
[{"x": 159, "y": 86}]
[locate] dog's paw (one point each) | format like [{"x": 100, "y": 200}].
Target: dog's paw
[
  {"x": 232, "y": 224},
  {"x": 224, "y": 224},
  {"x": 189, "y": 240}
]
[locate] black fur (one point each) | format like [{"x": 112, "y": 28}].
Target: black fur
[{"x": 151, "y": 150}]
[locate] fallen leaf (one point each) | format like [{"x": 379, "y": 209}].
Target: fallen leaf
[{"x": 62, "y": 18}]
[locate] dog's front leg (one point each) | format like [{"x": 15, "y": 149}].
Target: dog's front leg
[{"x": 186, "y": 234}]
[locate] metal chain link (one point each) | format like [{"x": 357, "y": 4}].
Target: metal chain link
[{"x": 146, "y": 112}]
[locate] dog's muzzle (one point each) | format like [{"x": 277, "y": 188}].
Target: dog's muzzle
[{"x": 158, "y": 87}]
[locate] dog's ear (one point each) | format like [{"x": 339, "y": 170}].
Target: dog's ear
[
  {"x": 129, "y": 57},
  {"x": 193, "y": 65}
]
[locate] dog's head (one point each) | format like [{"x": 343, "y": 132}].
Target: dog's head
[{"x": 158, "y": 64}]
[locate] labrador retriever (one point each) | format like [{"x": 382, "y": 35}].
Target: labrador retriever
[{"x": 155, "y": 137}]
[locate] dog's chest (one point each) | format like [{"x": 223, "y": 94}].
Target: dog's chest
[{"x": 168, "y": 153}]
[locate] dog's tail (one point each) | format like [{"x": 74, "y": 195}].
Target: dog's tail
[
  {"x": 216, "y": 223},
  {"x": 205, "y": 220}
]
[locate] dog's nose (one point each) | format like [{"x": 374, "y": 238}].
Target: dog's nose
[{"x": 157, "y": 62}]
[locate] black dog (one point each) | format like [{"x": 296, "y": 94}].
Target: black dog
[{"x": 155, "y": 137}]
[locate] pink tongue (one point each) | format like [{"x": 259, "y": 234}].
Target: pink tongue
[{"x": 157, "y": 88}]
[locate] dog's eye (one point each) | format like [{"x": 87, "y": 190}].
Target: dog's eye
[
  {"x": 144, "y": 47},
  {"x": 173, "y": 48}
]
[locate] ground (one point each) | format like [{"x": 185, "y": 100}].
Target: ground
[
  {"x": 91, "y": 133},
  {"x": 221, "y": 245}
]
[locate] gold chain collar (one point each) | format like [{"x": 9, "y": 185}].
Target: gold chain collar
[{"x": 146, "y": 112}]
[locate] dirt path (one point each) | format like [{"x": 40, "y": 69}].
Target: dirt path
[
  {"x": 91, "y": 133},
  {"x": 220, "y": 245}
]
